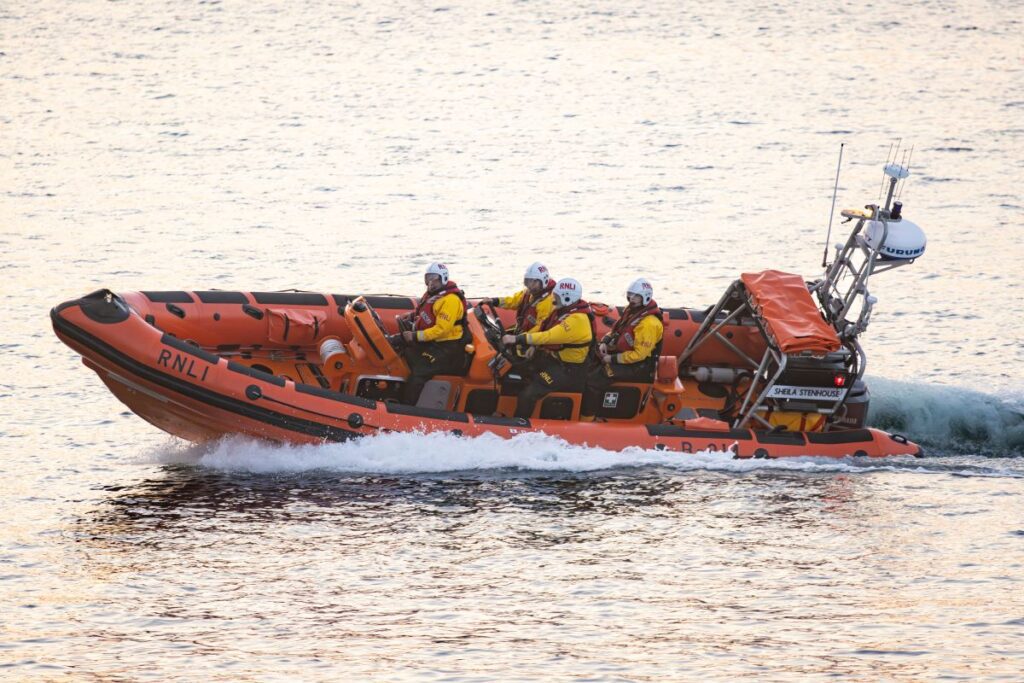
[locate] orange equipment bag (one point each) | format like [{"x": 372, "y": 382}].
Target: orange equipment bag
[{"x": 294, "y": 327}]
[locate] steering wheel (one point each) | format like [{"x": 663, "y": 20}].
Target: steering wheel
[
  {"x": 494, "y": 331},
  {"x": 490, "y": 321}
]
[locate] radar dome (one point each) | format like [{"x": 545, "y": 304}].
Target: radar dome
[{"x": 904, "y": 241}]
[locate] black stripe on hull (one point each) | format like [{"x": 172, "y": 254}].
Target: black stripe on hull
[
  {"x": 215, "y": 296},
  {"x": 169, "y": 297},
  {"x": 290, "y": 298},
  {"x": 851, "y": 436}
]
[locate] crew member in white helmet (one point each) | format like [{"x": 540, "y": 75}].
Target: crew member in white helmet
[
  {"x": 566, "y": 337},
  {"x": 629, "y": 352},
  {"x": 533, "y": 303},
  {"x": 437, "y": 343}
]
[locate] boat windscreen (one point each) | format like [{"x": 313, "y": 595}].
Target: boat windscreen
[{"x": 789, "y": 313}]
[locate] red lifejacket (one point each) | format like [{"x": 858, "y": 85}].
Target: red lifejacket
[
  {"x": 424, "y": 313},
  {"x": 526, "y": 314},
  {"x": 560, "y": 314},
  {"x": 621, "y": 337}
]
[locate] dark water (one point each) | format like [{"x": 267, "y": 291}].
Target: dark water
[{"x": 345, "y": 146}]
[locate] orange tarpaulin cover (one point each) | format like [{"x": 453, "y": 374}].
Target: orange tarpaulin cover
[{"x": 789, "y": 312}]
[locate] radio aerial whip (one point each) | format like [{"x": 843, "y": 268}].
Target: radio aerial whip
[{"x": 835, "y": 190}]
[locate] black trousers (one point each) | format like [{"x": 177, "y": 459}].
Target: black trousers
[
  {"x": 428, "y": 359},
  {"x": 601, "y": 376},
  {"x": 550, "y": 375}
]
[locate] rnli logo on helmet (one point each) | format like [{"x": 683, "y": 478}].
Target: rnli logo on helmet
[
  {"x": 567, "y": 285},
  {"x": 441, "y": 266},
  {"x": 542, "y": 269},
  {"x": 647, "y": 287}
]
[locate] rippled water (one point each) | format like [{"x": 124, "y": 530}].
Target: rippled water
[{"x": 344, "y": 146}]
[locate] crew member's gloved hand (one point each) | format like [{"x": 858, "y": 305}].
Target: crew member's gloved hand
[
  {"x": 508, "y": 339},
  {"x": 408, "y": 335}
]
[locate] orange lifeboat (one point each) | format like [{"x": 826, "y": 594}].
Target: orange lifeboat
[
  {"x": 774, "y": 369},
  {"x": 311, "y": 367}
]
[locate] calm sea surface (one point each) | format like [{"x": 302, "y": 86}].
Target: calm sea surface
[{"x": 342, "y": 147}]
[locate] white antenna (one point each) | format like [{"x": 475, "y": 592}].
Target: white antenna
[
  {"x": 895, "y": 172},
  {"x": 890, "y": 159},
  {"x": 835, "y": 190},
  {"x": 882, "y": 187},
  {"x": 910, "y": 156}
]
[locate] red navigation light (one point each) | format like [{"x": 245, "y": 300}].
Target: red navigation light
[{"x": 839, "y": 380}]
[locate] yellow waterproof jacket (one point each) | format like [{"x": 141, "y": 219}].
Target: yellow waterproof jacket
[
  {"x": 448, "y": 311},
  {"x": 647, "y": 334},
  {"x": 575, "y": 329},
  {"x": 534, "y": 318}
]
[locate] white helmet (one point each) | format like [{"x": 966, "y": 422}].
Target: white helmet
[
  {"x": 567, "y": 292},
  {"x": 642, "y": 287},
  {"x": 538, "y": 271},
  {"x": 438, "y": 269}
]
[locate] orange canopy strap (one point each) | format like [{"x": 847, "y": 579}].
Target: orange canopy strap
[{"x": 789, "y": 313}]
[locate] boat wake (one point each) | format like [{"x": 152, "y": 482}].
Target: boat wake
[
  {"x": 960, "y": 429},
  {"x": 948, "y": 420},
  {"x": 446, "y": 454}
]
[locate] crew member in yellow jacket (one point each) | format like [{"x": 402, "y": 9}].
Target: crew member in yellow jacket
[
  {"x": 565, "y": 337},
  {"x": 437, "y": 343},
  {"x": 532, "y": 304},
  {"x": 629, "y": 352}
]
